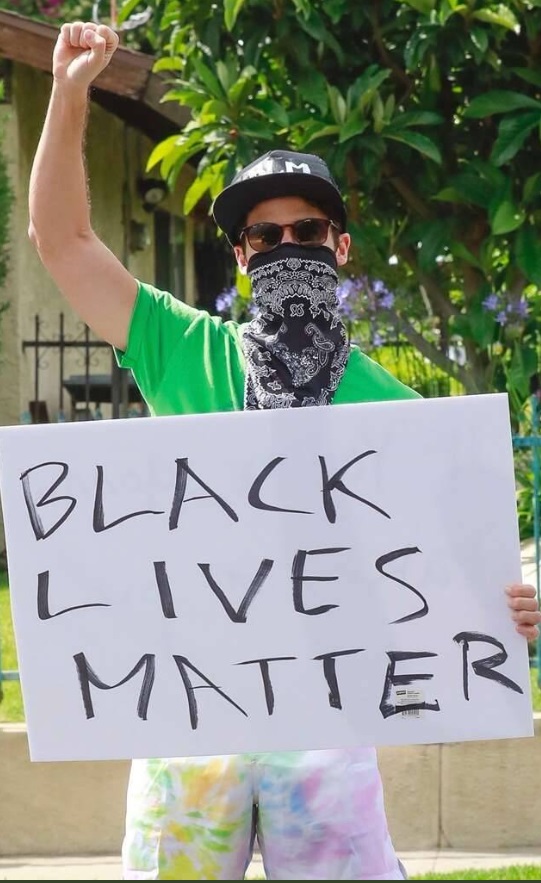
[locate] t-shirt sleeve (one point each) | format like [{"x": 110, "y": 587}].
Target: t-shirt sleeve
[
  {"x": 183, "y": 359},
  {"x": 158, "y": 325}
]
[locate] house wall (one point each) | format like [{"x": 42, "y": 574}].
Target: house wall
[
  {"x": 10, "y": 351},
  {"x": 116, "y": 158}
]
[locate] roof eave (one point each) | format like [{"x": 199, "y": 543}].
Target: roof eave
[{"x": 127, "y": 87}]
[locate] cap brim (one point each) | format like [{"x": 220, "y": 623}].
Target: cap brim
[{"x": 232, "y": 205}]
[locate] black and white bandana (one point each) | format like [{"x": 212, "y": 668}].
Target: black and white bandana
[{"x": 296, "y": 346}]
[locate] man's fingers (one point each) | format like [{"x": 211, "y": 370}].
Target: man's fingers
[
  {"x": 72, "y": 33},
  {"x": 530, "y": 632},
  {"x": 526, "y": 617},
  {"x": 87, "y": 35},
  {"x": 110, "y": 37},
  {"x": 521, "y": 603},
  {"x": 93, "y": 41},
  {"x": 523, "y": 590}
]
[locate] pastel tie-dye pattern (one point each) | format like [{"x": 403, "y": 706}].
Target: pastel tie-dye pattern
[{"x": 318, "y": 815}]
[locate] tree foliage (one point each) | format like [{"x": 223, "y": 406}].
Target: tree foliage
[
  {"x": 429, "y": 114},
  {"x": 50, "y": 10}
]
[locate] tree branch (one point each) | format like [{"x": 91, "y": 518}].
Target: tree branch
[
  {"x": 437, "y": 357},
  {"x": 386, "y": 58},
  {"x": 411, "y": 199},
  {"x": 441, "y": 304}
]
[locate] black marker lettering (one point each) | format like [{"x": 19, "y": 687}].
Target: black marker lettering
[
  {"x": 392, "y": 556},
  {"x": 238, "y": 615},
  {"x": 87, "y": 676},
  {"x": 183, "y": 470},
  {"x": 484, "y": 668},
  {"x": 267, "y": 685},
  {"x": 329, "y": 670},
  {"x": 98, "y": 519},
  {"x": 254, "y": 498},
  {"x": 386, "y": 707},
  {"x": 46, "y": 500},
  {"x": 164, "y": 590},
  {"x": 335, "y": 483},
  {"x": 182, "y": 664},
  {"x": 298, "y": 577},
  {"x": 44, "y": 612}
]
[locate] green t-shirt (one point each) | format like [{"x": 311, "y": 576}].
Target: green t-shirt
[{"x": 186, "y": 361}]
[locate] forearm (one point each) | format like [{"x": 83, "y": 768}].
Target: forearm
[
  {"x": 92, "y": 279},
  {"x": 58, "y": 200}
]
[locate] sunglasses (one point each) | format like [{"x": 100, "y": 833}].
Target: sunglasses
[{"x": 266, "y": 236}]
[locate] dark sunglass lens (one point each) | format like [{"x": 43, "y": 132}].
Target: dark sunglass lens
[
  {"x": 263, "y": 237},
  {"x": 311, "y": 231}
]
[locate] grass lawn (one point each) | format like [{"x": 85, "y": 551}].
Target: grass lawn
[
  {"x": 11, "y": 708},
  {"x": 510, "y": 872}
]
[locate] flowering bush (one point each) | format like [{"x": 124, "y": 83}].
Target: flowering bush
[
  {"x": 506, "y": 312},
  {"x": 365, "y": 306}
]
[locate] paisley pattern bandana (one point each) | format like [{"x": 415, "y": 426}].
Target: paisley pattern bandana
[{"x": 296, "y": 346}]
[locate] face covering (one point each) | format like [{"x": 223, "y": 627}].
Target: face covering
[{"x": 296, "y": 346}]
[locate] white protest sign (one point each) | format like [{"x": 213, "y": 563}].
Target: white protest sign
[{"x": 305, "y": 578}]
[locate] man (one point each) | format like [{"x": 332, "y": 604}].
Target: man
[{"x": 317, "y": 814}]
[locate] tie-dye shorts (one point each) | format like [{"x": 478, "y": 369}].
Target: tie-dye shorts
[{"x": 317, "y": 815}]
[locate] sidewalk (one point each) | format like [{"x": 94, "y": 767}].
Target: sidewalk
[{"x": 108, "y": 867}]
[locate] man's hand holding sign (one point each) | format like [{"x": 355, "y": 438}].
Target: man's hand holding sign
[{"x": 522, "y": 600}]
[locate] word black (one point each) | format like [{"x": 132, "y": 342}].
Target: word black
[{"x": 329, "y": 484}]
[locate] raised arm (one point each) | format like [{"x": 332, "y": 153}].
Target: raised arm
[{"x": 93, "y": 280}]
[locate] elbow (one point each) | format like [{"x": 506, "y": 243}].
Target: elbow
[
  {"x": 33, "y": 235},
  {"x": 51, "y": 246},
  {"x": 37, "y": 241}
]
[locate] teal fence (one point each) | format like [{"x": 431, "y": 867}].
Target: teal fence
[{"x": 532, "y": 444}]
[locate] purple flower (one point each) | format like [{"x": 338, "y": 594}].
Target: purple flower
[
  {"x": 507, "y": 310},
  {"x": 491, "y": 302},
  {"x": 377, "y": 339},
  {"x": 360, "y": 295},
  {"x": 225, "y": 300},
  {"x": 344, "y": 293},
  {"x": 378, "y": 287},
  {"x": 347, "y": 288},
  {"x": 521, "y": 308},
  {"x": 387, "y": 300}
]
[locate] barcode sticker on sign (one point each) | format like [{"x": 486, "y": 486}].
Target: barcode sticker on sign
[{"x": 408, "y": 696}]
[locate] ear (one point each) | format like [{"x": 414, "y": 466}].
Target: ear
[
  {"x": 241, "y": 259},
  {"x": 342, "y": 251}
]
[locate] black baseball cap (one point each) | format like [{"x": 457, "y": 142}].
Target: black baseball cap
[{"x": 275, "y": 174}]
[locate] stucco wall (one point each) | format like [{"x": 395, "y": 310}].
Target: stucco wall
[
  {"x": 467, "y": 795},
  {"x": 32, "y": 291},
  {"x": 9, "y": 321},
  {"x": 116, "y": 158}
]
